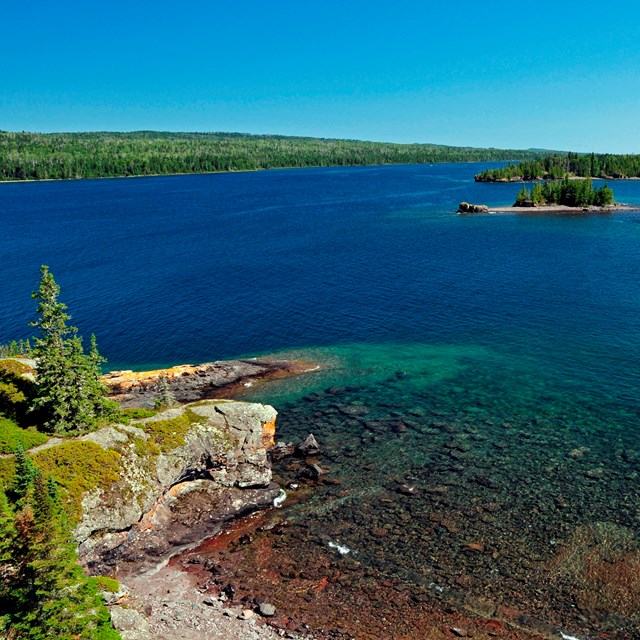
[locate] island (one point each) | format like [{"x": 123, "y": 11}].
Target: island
[
  {"x": 556, "y": 166},
  {"x": 558, "y": 196}
]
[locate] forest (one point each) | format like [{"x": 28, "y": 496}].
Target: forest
[
  {"x": 572, "y": 193},
  {"x": 555, "y": 167},
  {"x": 47, "y": 156}
]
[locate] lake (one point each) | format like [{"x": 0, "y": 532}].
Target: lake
[{"x": 491, "y": 362}]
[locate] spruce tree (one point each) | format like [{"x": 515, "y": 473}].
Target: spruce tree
[
  {"x": 23, "y": 479},
  {"x": 46, "y": 594},
  {"x": 69, "y": 390}
]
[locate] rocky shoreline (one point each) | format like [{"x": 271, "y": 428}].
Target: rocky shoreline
[
  {"x": 557, "y": 209},
  {"x": 563, "y": 209},
  {"x": 369, "y": 547},
  {"x": 189, "y": 383}
]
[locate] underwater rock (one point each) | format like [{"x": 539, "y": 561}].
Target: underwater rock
[
  {"x": 406, "y": 490},
  {"x": 308, "y": 447},
  {"x": 314, "y": 472},
  {"x": 282, "y": 450}
]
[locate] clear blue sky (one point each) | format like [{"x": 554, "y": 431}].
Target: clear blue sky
[{"x": 483, "y": 73}]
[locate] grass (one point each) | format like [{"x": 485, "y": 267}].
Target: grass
[
  {"x": 12, "y": 437},
  {"x": 7, "y": 471}
]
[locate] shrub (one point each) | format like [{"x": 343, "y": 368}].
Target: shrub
[
  {"x": 16, "y": 390},
  {"x": 12, "y": 437},
  {"x": 79, "y": 467}
]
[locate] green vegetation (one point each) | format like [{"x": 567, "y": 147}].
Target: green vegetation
[
  {"x": 12, "y": 437},
  {"x": 15, "y": 348},
  {"x": 555, "y": 167},
  {"x": 169, "y": 434},
  {"x": 104, "y": 583},
  {"x": 572, "y": 193},
  {"x": 16, "y": 390},
  {"x": 40, "y": 156},
  {"x": 134, "y": 413},
  {"x": 79, "y": 466},
  {"x": 43, "y": 591},
  {"x": 69, "y": 392}
]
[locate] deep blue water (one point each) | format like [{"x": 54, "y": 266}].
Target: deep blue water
[{"x": 520, "y": 330}]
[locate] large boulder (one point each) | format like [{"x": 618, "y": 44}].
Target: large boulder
[{"x": 465, "y": 207}]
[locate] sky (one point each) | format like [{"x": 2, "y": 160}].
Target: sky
[{"x": 553, "y": 75}]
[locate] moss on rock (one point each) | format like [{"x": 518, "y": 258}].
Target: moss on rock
[{"x": 170, "y": 433}]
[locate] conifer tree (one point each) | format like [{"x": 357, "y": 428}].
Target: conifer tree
[
  {"x": 23, "y": 479},
  {"x": 69, "y": 391},
  {"x": 46, "y": 593},
  {"x": 7, "y": 538}
]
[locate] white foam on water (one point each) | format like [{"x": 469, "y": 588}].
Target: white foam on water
[
  {"x": 278, "y": 501},
  {"x": 566, "y": 637},
  {"x": 342, "y": 550}
]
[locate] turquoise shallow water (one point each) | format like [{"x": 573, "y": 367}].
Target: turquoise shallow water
[{"x": 493, "y": 361}]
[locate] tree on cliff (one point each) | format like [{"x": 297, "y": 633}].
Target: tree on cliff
[{"x": 70, "y": 395}]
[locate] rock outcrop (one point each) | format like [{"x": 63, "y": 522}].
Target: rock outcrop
[
  {"x": 182, "y": 475},
  {"x": 189, "y": 383},
  {"x": 465, "y": 207}
]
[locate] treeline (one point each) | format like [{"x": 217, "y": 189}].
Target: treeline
[
  {"x": 573, "y": 193},
  {"x": 38, "y": 156},
  {"x": 554, "y": 167}
]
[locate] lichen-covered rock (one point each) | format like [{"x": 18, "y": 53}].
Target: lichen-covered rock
[
  {"x": 182, "y": 474},
  {"x": 131, "y": 624}
]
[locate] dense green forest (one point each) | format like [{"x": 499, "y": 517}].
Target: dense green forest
[
  {"x": 554, "y": 167},
  {"x": 40, "y": 156},
  {"x": 573, "y": 193}
]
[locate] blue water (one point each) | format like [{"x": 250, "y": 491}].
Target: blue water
[{"x": 521, "y": 330}]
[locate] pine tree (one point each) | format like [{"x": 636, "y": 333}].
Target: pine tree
[{"x": 69, "y": 391}]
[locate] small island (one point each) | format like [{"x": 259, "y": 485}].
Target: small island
[
  {"x": 558, "y": 196},
  {"x": 570, "y": 193}
]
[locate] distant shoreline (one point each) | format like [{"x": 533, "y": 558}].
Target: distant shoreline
[{"x": 206, "y": 173}]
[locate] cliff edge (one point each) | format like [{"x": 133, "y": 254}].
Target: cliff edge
[{"x": 176, "y": 479}]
